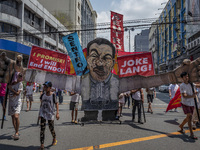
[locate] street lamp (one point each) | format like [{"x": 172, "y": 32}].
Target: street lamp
[{"x": 129, "y": 31}]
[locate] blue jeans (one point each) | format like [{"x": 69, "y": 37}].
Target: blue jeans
[{"x": 1, "y": 100}]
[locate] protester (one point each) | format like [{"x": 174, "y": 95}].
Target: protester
[
  {"x": 14, "y": 106},
  {"x": 121, "y": 103},
  {"x": 75, "y": 97},
  {"x": 29, "y": 95},
  {"x": 2, "y": 95},
  {"x": 47, "y": 112},
  {"x": 127, "y": 99},
  {"x": 151, "y": 94},
  {"x": 137, "y": 100},
  {"x": 172, "y": 91},
  {"x": 187, "y": 101},
  {"x": 60, "y": 96}
]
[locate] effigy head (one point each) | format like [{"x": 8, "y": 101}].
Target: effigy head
[
  {"x": 100, "y": 58},
  {"x": 19, "y": 60}
]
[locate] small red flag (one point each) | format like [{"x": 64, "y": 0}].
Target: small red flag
[{"x": 175, "y": 102}]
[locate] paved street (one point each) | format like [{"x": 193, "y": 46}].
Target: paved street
[{"x": 159, "y": 132}]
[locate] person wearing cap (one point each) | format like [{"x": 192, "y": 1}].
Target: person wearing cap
[
  {"x": 47, "y": 112},
  {"x": 14, "y": 106}
]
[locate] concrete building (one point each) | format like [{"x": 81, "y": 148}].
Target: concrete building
[
  {"x": 76, "y": 15},
  {"x": 142, "y": 41},
  {"x": 24, "y": 23},
  {"x": 172, "y": 35},
  {"x": 193, "y": 29},
  {"x": 153, "y": 44}
]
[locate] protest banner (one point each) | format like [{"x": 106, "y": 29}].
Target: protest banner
[
  {"x": 75, "y": 52},
  {"x": 47, "y": 60},
  {"x": 69, "y": 67},
  {"x": 175, "y": 102},
  {"x": 117, "y": 31},
  {"x": 137, "y": 64}
]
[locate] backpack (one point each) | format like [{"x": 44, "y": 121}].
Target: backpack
[{"x": 54, "y": 97}]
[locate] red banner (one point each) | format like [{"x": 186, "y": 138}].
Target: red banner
[
  {"x": 47, "y": 60},
  {"x": 175, "y": 102},
  {"x": 117, "y": 31},
  {"x": 137, "y": 64}
]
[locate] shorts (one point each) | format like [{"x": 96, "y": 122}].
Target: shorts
[
  {"x": 150, "y": 98},
  {"x": 1, "y": 100},
  {"x": 187, "y": 109},
  {"x": 29, "y": 97},
  {"x": 121, "y": 104},
  {"x": 73, "y": 105}
]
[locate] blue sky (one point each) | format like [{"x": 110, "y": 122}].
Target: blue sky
[{"x": 131, "y": 9}]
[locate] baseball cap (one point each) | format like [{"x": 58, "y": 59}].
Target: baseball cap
[{"x": 48, "y": 84}]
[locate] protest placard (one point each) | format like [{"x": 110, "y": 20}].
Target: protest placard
[{"x": 47, "y": 60}]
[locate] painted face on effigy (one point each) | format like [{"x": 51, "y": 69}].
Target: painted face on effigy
[{"x": 100, "y": 61}]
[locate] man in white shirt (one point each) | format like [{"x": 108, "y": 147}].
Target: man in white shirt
[
  {"x": 187, "y": 100},
  {"x": 137, "y": 100},
  {"x": 75, "y": 97},
  {"x": 172, "y": 91},
  {"x": 29, "y": 95}
]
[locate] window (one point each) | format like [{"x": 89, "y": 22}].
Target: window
[
  {"x": 79, "y": 20},
  {"x": 30, "y": 38},
  {"x": 79, "y": 6}
]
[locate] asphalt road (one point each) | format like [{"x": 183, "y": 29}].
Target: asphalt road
[{"x": 159, "y": 132}]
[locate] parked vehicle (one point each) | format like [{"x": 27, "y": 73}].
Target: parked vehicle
[{"x": 163, "y": 88}]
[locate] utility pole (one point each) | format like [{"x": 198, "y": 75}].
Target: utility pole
[{"x": 129, "y": 32}]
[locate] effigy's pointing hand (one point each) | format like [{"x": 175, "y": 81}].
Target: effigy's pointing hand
[{"x": 192, "y": 68}]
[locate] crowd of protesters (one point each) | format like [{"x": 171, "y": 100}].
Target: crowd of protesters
[{"x": 49, "y": 108}]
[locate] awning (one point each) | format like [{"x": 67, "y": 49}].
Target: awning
[{"x": 15, "y": 47}]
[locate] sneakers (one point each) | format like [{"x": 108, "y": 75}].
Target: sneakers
[
  {"x": 140, "y": 122},
  {"x": 194, "y": 127},
  {"x": 15, "y": 136},
  {"x": 193, "y": 137},
  {"x": 54, "y": 142}
]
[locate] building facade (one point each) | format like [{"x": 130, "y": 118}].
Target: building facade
[
  {"x": 172, "y": 39},
  {"x": 141, "y": 42},
  {"x": 153, "y": 45},
  {"x": 77, "y": 15},
  {"x": 193, "y": 29},
  {"x": 24, "y": 23}
]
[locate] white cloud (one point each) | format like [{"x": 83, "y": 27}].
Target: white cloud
[{"x": 131, "y": 9}]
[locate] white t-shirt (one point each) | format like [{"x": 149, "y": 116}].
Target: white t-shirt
[
  {"x": 29, "y": 90},
  {"x": 186, "y": 88},
  {"x": 173, "y": 88},
  {"x": 47, "y": 109},
  {"x": 15, "y": 100},
  {"x": 75, "y": 98},
  {"x": 122, "y": 98},
  {"x": 136, "y": 95}
]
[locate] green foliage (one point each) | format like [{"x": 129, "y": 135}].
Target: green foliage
[{"x": 64, "y": 19}]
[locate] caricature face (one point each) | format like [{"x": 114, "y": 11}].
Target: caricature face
[{"x": 100, "y": 61}]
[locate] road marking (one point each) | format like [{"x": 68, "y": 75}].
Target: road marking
[{"x": 131, "y": 141}]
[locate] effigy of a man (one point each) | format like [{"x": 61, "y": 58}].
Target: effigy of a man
[
  {"x": 9, "y": 66},
  {"x": 100, "y": 88}
]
